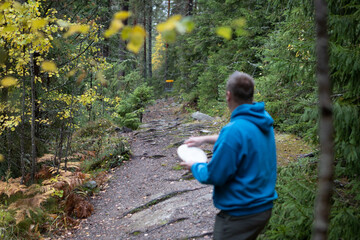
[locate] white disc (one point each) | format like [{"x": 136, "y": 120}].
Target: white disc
[{"x": 191, "y": 154}]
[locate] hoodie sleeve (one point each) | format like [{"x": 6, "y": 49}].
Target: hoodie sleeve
[{"x": 221, "y": 168}]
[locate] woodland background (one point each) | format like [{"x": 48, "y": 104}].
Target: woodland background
[{"x": 67, "y": 74}]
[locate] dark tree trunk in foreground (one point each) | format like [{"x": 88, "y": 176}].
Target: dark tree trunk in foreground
[
  {"x": 326, "y": 169},
  {"x": 122, "y": 44},
  {"x": 149, "y": 30},
  {"x": 33, "y": 144},
  {"x": 145, "y": 55}
]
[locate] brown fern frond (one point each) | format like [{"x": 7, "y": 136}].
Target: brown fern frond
[
  {"x": 23, "y": 206},
  {"x": 83, "y": 209},
  {"x": 78, "y": 205},
  {"x": 11, "y": 187},
  {"x": 46, "y": 158},
  {"x": 75, "y": 165},
  {"x": 44, "y": 173},
  {"x": 101, "y": 178}
]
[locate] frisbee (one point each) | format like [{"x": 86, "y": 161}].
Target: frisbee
[{"x": 191, "y": 154}]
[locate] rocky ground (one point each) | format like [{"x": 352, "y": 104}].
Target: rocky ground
[{"x": 151, "y": 196}]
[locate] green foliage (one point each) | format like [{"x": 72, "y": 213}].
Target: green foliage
[
  {"x": 96, "y": 128},
  {"x": 288, "y": 85},
  {"x": 293, "y": 211},
  {"x": 8, "y": 228},
  {"x": 129, "y": 111},
  {"x": 113, "y": 154}
]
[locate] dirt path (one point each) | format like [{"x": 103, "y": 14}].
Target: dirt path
[{"x": 151, "y": 197}]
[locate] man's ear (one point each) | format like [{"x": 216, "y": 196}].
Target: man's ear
[{"x": 228, "y": 96}]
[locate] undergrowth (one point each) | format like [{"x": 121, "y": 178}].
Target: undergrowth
[
  {"x": 60, "y": 197},
  {"x": 293, "y": 211}
]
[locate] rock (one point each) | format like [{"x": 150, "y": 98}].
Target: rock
[
  {"x": 201, "y": 116},
  {"x": 145, "y": 125},
  {"x": 90, "y": 184},
  {"x": 205, "y": 131}
]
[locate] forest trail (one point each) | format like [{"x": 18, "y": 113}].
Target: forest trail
[{"x": 151, "y": 196}]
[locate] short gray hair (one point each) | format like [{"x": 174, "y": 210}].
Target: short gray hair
[{"x": 241, "y": 87}]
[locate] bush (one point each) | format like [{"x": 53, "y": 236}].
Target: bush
[
  {"x": 292, "y": 216},
  {"x": 129, "y": 112}
]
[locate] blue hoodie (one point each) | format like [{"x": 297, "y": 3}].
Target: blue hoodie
[{"x": 243, "y": 166}]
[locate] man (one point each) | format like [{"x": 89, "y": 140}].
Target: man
[{"x": 243, "y": 166}]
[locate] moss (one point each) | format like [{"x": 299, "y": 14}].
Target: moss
[{"x": 290, "y": 147}]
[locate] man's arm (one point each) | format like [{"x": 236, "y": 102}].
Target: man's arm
[{"x": 197, "y": 141}]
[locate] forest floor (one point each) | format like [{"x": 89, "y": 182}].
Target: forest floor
[{"x": 151, "y": 196}]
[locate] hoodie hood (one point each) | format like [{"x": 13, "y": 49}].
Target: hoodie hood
[{"x": 254, "y": 113}]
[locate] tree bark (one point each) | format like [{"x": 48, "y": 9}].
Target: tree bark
[
  {"x": 22, "y": 132},
  {"x": 190, "y": 8},
  {"x": 122, "y": 44},
  {"x": 145, "y": 55},
  {"x": 326, "y": 169},
  {"x": 149, "y": 30},
  {"x": 106, "y": 21},
  {"x": 166, "y": 62},
  {"x": 33, "y": 143}
]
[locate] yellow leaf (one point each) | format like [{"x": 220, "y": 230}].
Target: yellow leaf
[
  {"x": 122, "y": 15},
  {"x": 8, "y": 81},
  {"x": 38, "y": 23},
  {"x": 125, "y": 33},
  {"x": 2, "y": 158},
  {"x": 77, "y": 29},
  {"x": 135, "y": 48},
  {"x": 115, "y": 26},
  {"x": 170, "y": 24},
  {"x": 108, "y": 33},
  {"x": 9, "y": 28},
  {"x": 225, "y": 32},
  {"x": 5, "y": 6},
  {"x": 137, "y": 36},
  {"x": 48, "y": 66},
  {"x": 19, "y": 7}
]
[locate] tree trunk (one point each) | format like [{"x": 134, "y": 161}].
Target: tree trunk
[
  {"x": 149, "y": 30},
  {"x": 122, "y": 44},
  {"x": 145, "y": 55},
  {"x": 190, "y": 8},
  {"x": 166, "y": 62},
  {"x": 33, "y": 144},
  {"x": 58, "y": 154},
  {"x": 22, "y": 133},
  {"x": 106, "y": 21},
  {"x": 326, "y": 169}
]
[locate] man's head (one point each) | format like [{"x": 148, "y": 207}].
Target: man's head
[{"x": 239, "y": 89}]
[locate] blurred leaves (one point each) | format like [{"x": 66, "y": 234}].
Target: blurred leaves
[
  {"x": 48, "y": 66},
  {"x": 175, "y": 24},
  {"x": 8, "y": 81},
  {"x": 136, "y": 37},
  {"x": 77, "y": 28},
  {"x": 38, "y": 23},
  {"x": 122, "y": 15},
  {"x": 237, "y": 27},
  {"x": 225, "y": 32}
]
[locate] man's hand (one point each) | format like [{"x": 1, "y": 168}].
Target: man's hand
[
  {"x": 197, "y": 141},
  {"x": 187, "y": 165},
  {"x": 194, "y": 141}
]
